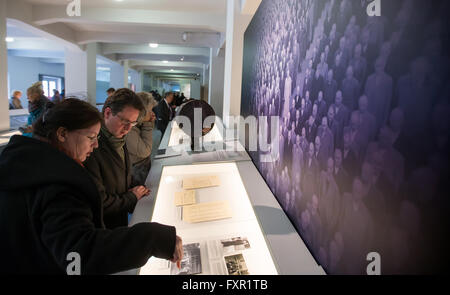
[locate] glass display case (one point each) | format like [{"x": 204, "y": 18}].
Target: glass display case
[{"x": 227, "y": 246}]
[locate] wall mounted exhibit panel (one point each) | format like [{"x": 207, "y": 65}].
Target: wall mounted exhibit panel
[{"x": 362, "y": 102}]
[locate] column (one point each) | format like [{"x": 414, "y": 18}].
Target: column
[
  {"x": 75, "y": 70},
  {"x": 125, "y": 73},
  {"x": 4, "y": 95},
  {"x": 135, "y": 79},
  {"x": 140, "y": 85},
  {"x": 91, "y": 72},
  {"x": 116, "y": 76},
  {"x": 148, "y": 81},
  {"x": 236, "y": 26},
  {"x": 216, "y": 80},
  {"x": 204, "y": 75}
]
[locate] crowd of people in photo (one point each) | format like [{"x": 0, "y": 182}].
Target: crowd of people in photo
[{"x": 364, "y": 123}]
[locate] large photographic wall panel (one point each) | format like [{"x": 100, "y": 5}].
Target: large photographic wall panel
[{"x": 363, "y": 150}]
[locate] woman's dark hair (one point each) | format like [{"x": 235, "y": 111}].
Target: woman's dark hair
[
  {"x": 71, "y": 113},
  {"x": 121, "y": 99}
]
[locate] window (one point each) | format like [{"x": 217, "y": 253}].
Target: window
[{"x": 49, "y": 83}]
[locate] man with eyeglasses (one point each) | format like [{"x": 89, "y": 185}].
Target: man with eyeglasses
[{"x": 110, "y": 165}]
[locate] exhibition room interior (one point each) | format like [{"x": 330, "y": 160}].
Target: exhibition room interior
[{"x": 328, "y": 151}]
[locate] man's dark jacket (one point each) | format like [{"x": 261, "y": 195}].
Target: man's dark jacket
[
  {"x": 112, "y": 176},
  {"x": 163, "y": 114},
  {"x": 50, "y": 207}
]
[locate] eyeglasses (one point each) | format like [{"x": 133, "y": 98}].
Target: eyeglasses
[
  {"x": 91, "y": 138},
  {"x": 126, "y": 122}
]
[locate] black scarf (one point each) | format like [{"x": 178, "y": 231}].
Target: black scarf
[
  {"x": 116, "y": 143},
  {"x": 37, "y": 104}
]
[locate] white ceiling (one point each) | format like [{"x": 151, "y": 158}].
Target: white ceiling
[
  {"x": 124, "y": 29},
  {"x": 166, "y": 5},
  {"x": 28, "y": 44}
]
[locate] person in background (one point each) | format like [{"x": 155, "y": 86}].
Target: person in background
[
  {"x": 56, "y": 208},
  {"x": 15, "y": 103},
  {"x": 56, "y": 98},
  {"x": 182, "y": 97},
  {"x": 176, "y": 97},
  {"x": 110, "y": 165},
  {"x": 164, "y": 112},
  {"x": 37, "y": 103},
  {"x": 110, "y": 92},
  {"x": 156, "y": 95},
  {"x": 139, "y": 141},
  {"x": 179, "y": 99}
]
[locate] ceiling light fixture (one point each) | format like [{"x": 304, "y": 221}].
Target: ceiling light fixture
[
  {"x": 9, "y": 39},
  {"x": 182, "y": 58},
  {"x": 153, "y": 45},
  {"x": 165, "y": 61},
  {"x": 171, "y": 70}
]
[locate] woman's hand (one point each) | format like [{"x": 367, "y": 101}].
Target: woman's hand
[
  {"x": 178, "y": 254},
  {"x": 140, "y": 191}
]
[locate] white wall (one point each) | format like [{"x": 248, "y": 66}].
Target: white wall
[
  {"x": 75, "y": 72},
  {"x": 4, "y": 115},
  {"x": 91, "y": 73},
  {"x": 216, "y": 82},
  {"x": 24, "y": 71}
]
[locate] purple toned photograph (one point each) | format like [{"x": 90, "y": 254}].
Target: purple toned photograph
[{"x": 363, "y": 105}]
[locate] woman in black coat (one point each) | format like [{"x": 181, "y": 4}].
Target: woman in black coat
[{"x": 50, "y": 209}]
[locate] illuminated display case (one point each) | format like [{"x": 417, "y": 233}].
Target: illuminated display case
[
  {"x": 243, "y": 222},
  {"x": 258, "y": 238}
]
